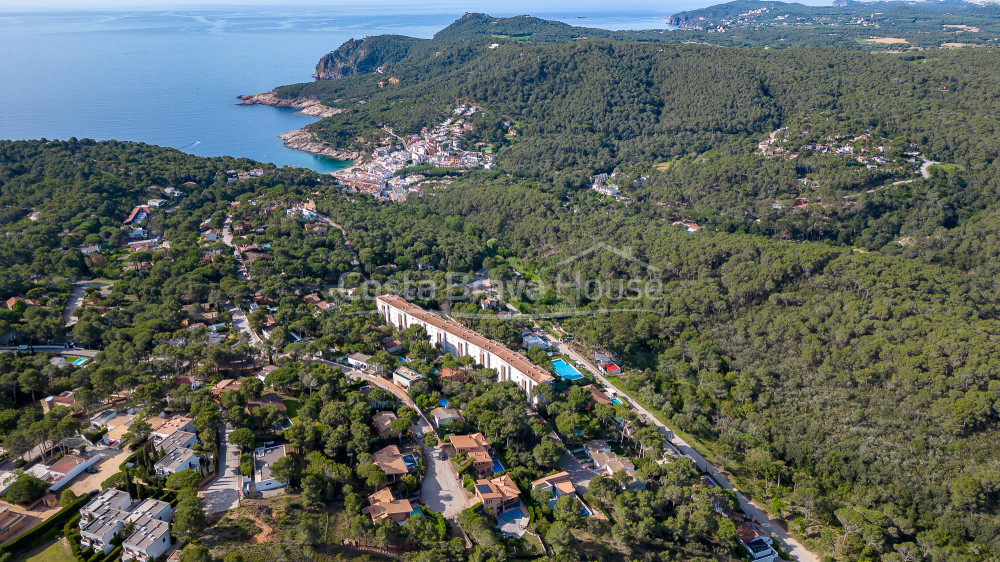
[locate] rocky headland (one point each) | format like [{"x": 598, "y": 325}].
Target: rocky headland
[
  {"x": 306, "y": 106},
  {"x": 302, "y": 139}
]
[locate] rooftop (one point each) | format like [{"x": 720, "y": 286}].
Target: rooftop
[
  {"x": 392, "y": 462},
  {"x": 264, "y": 458},
  {"x": 67, "y": 463},
  {"x": 150, "y": 507},
  {"x": 382, "y": 421},
  {"x": 558, "y": 481},
  {"x": 175, "y": 459},
  {"x": 106, "y": 521},
  {"x": 516, "y": 360},
  {"x": 147, "y": 532}
]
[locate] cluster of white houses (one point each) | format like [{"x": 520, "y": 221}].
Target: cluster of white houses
[
  {"x": 112, "y": 511},
  {"x": 455, "y": 339}
]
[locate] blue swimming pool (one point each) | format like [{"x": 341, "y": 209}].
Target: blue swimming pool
[
  {"x": 497, "y": 467},
  {"x": 566, "y": 371}
]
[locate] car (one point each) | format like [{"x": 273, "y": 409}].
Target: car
[
  {"x": 442, "y": 456},
  {"x": 91, "y": 470}
]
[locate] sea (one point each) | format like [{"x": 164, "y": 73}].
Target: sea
[{"x": 171, "y": 77}]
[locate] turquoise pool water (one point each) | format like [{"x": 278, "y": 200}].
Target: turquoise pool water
[{"x": 566, "y": 371}]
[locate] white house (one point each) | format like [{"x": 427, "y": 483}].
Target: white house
[
  {"x": 101, "y": 530},
  {"x": 759, "y": 546},
  {"x": 150, "y": 539},
  {"x": 7, "y": 478},
  {"x": 405, "y": 377},
  {"x": 182, "y": 439},
  {"x": 460, "y": 342},
  {"x": 442, "y": 415},
  {"x": 262, "y": 461},
  {"x": 112, "y": 498},
  {"x": 362, "y": 362},
  {"x": 67, "y": 468},
  {"x": 155, "y": 509},
  {"x": 176, "y": 460}
]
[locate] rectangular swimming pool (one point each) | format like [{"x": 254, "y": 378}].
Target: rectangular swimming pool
[{"x": 566, "y": 371}]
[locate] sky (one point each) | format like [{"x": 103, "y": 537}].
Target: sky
[{"x": 439, "y": 5}]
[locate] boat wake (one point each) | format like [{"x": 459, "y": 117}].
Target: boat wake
[{"x": 190, "y": 146}]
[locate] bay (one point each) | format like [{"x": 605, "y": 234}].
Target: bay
[{"x": 171, "y": 77}]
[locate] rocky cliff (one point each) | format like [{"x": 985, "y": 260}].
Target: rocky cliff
[{"x": 361, "y": 56}]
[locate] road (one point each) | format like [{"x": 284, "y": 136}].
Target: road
[
  {"x": 76, "y": 299},
  {"x": 243, "y": 325},
  {"x": 795, "y": 548},
  {"x": 242, "y": 273},
  {"x": 925, "y": 172},
  {"x": 59, "y": 349},
  {"x": 223, "y": 493}
]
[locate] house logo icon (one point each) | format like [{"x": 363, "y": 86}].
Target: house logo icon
[{"x": 624, "y": 253}]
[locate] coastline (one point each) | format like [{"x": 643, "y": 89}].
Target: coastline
[
  {"x": 302, "y": 139},
  {"x": 306, "y": 106}
]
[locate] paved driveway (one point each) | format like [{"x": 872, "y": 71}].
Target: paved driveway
[
  {"x": 441, "y": 490},
  {"x": 580, "y": 475},
  {"x": 223, "y": 493}
]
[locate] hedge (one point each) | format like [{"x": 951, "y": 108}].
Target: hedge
[
  {"x": 44, "y": 531},
  {"x": 72, "y": 535}
]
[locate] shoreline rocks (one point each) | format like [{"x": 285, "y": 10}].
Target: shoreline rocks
[
  {"x": 306, "y": 106},
  {"x": 302, "y": 139}
]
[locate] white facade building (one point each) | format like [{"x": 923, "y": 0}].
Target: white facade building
[
  {"x": 150, "y": 539},
  {"x": 459, "y": 341}
]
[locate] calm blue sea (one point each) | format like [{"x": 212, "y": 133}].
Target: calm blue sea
[{"x": 171, "y": 77}]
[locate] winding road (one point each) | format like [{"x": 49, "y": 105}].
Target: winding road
[{"x": 758, "y": 515}]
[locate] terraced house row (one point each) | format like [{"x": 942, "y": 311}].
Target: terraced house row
[{"x": 457, "y": 340}]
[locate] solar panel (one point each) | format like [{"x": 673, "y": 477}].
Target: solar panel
[{"x": 483, "y": 488}]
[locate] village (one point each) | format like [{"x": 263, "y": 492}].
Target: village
[{"x": 384, "y": 176}]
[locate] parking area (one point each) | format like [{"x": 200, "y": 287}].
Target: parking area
[
  {"x": 223, "y": 493},
  {"x": 441, "y": 490},
  {"x": 106, "y": 468}
]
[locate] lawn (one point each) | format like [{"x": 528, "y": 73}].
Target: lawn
[
  {"x": 293, "y": 406},
  {"x": 58, "y": 551}
]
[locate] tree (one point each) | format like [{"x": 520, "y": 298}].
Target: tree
[
  {"x": 32, "y": 380},
  {"x": 569, "y": 510},
  {"x": 189, "y": 519},
  {"x": 243, "y": 438},
  {"x": 372, "y": 474},
  {"x": 560, "y": 538},
  {"x": 26, "y": 489},
  {"x": 67, "y": 497},
  {"x": 307, "y": 531},
  {"x": 547, "y": 453},
  {"x": 286, "y": 469},
  {"x": 183, "y": 479}
]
